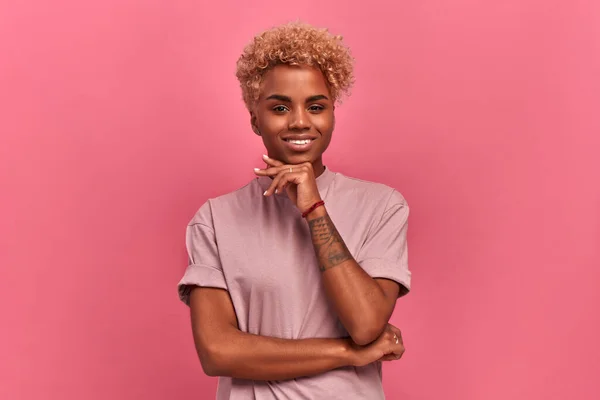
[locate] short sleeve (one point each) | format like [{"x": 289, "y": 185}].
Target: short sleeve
[
  {"x": 204, "y": 266},
  {"x": 385, "y": 252}
]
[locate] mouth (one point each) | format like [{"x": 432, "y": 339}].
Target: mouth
[{"x": 299, "y": 144}]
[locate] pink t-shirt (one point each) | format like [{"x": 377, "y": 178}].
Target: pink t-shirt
[{"x": 260, "y": 250}]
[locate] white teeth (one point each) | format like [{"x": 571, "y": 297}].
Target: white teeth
[{"x": 307, "y": 141}]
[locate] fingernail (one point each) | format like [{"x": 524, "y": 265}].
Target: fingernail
[
  {"x": 265, "y": 193},
  {"x": 265, "y": 156},
  {"x": 276, "y": 191},
  {"x": 256, "y": 169}
]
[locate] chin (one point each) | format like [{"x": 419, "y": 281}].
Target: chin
[{"x": 298, "y": 158}]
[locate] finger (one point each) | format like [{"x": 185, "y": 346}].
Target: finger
[
  {"x": 272, "y": 161},
  {"x": 394, "y": 329},
  {"x": 397, "y": 332},
  {"x": 288, "y": 177},
  {"x": 271, "y": 189},
  {"x": 274, "y": 184},
  {"x": 391, "y": 356},
  {"x": 272, "y": 171},
  {"x": 399, "y": 351},
  {"x": 394, "y": 353}
]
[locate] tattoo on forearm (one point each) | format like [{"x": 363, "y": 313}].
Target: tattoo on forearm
[{"x": 330, "y": 248}]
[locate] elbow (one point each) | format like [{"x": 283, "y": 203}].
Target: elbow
[
  {"x": 215, "y": 352},
  {"x": 363, "y": 338},
  {"x": 364, "y": 334},
  {"x": 210, "y": 369},
  {"x": 211, "y": 361},
  {"x": 209, "y": 366}
]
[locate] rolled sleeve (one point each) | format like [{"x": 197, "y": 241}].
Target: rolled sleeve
[
  {"x": 385, "y": 252},
  {"x": 204, "y": 268},
  {"x": 202, "y": 276}
]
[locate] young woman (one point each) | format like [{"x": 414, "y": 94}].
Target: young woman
[{"x": 292, "y": 279}]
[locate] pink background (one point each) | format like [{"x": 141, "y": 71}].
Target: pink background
[{"x": 119, "y": 118}]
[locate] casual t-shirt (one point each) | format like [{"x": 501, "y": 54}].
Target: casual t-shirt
[{"x": 260, "y": 250}]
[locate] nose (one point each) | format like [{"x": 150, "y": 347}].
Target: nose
[{"x": 299, "y": 120}]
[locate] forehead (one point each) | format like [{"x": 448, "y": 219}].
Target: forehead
[{"x": 294, "y": 81}]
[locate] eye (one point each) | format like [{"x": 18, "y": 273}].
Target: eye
[
  {"x": 280, "y": 109},
  {"x": 316, "y": 108}
]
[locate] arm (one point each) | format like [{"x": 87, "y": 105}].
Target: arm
[
  {"x": 226, "y": 351},
  {"x": 363, "y": 304}
]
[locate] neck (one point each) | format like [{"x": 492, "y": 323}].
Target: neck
[{"x": 318, "y": 167}]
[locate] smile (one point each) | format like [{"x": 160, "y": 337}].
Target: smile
[
  {"x": 306, "y": 141},
  {"x": 299, "y": 145}
]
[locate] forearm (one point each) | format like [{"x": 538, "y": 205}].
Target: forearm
[
  {"x": 246, "y": 356},
  {"x": 359, "y": 301}
]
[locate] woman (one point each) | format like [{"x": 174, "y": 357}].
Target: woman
[{"x": 292, "y": 279}]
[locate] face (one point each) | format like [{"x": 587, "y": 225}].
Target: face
[{"x": 294, "y": 115}]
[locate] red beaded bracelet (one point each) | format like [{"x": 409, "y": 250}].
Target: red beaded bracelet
[{"x": 314, "y": 206}]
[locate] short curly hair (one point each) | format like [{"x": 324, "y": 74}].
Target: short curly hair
[{"x": 295, "y": 43}]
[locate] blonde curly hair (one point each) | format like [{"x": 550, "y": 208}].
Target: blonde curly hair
[{"x": 295, "y": 43}]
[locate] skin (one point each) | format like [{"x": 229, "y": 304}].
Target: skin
[
  {"x": 224, "y": 350},
  {"x": 296, "y": 100},
  {"x": 287, "y": 106}
]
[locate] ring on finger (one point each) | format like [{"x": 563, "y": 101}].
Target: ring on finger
[
  {"x": 290, "y": 169},
  {"x": 396, "y": 338}
]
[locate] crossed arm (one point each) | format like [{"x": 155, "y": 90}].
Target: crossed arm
[
  {"x": 224, "y": 350},
  {"x": 363, "y": 305}
]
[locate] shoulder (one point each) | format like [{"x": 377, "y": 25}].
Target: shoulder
[
  {"x": 239, "y": 198},
  {"x": 376, "y": 192}
]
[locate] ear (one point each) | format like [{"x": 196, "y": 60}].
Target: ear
[
  {"x": 333, "y": 118},
  {"x": 253, "y": 123}
]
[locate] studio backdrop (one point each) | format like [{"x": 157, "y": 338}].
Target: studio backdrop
[{"x": 119, "y": 118}]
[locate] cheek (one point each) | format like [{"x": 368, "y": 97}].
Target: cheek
[
  {"x": 273, "y": 124},
  {"x": 324, "y": 123}
]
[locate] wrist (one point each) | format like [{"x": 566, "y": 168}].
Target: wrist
[
  {"x": 318, "y": 212},
  {"x": 347, "y": 353}
]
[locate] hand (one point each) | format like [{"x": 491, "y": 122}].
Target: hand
[
  {"x": 300, "y": 184},
  {"x": 387, "y": 347}
]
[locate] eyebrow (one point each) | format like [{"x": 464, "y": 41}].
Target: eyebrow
[{"x": 287, "y": 99}]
